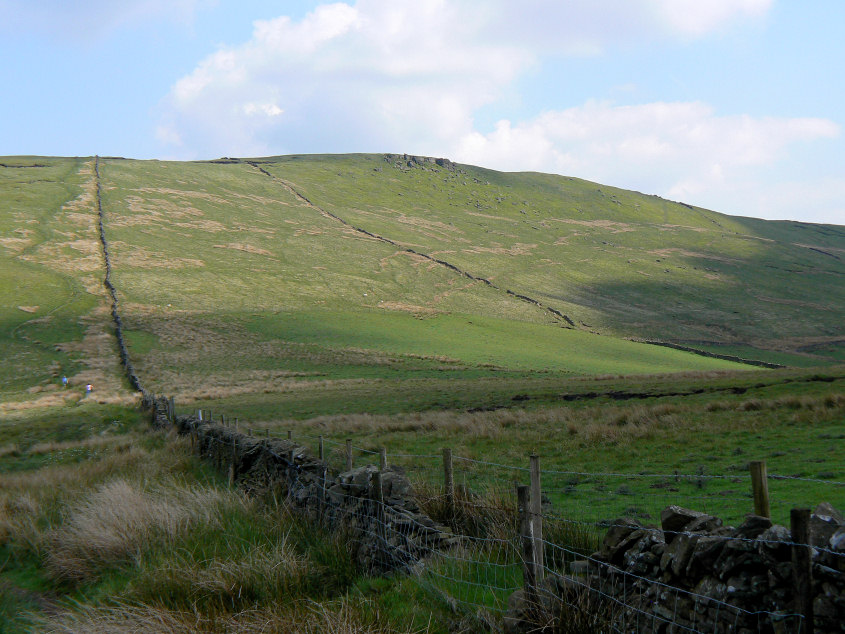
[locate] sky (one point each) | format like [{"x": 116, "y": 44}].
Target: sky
[{"x": 732, "y": 105}]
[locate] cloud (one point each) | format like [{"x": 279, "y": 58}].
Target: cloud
[
  {"x": 344, "y": 78},
  {"x": 409, "y": 76},
  {"x": 681, "y": 150},
  {"x": 697, "y": 17},
  {"x": 398, "y": 74}
]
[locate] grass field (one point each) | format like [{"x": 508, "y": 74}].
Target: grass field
[
  {"x": 108, "y": 527},
  {"x": 412, "y": 307}
]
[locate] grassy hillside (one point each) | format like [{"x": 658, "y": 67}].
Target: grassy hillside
[
  {"x": 344, "y": 267},
  {"x": 413, "y": 307},
  {"x": 615, "y": 260},
  {"x": 53, "y": 317}
]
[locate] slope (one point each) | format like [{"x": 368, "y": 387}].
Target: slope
[{"x": 617, "y": 261}]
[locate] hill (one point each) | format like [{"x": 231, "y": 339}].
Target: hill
[
  {"x": 246, "y": 275},
  {"x": 383, "y": 302}
]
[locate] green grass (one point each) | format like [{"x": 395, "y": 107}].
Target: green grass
[
  {"x": 48, "y": 259},
  {"x": 240, "y": 297},
  {"x": 84, "y": 542},
  {"x": 793, "y": 426},
  {"x": 479, "y": 340}
]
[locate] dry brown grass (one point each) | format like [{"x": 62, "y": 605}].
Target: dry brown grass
[
  {"x": 811, "y": 403},
  {"x": 55, "y": 399},
  {"x": 132, "y": 256},
  {"x": 31, "y": 500},
  {"x": 10, "y": 450},
  {"x": 111, "y": 525},
  {"x": 118, "y": 443},
  {"x": 102, "y": 365},
  {"x": 344, "y": 616},
  {"x": 594, "y": 425},
  {"x": 246, "y": 248}
]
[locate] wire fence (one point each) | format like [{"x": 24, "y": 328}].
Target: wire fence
[{"x": 566, "y": 553}]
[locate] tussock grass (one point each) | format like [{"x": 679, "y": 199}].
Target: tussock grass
[
  {"x": 10, "y": 450},
  {"x": 118, "y": 443},
  {"x": 591, "y": 426},
  {"x": 112, "y": 525},
  {"x": 813, "y": 402},
  {"x": 343, "y": 616}
]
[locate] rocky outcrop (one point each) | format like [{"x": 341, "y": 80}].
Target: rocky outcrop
[{"x": 694, "y": 574}]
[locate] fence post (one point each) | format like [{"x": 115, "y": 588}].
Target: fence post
[
  {"x": 232, "y": 463},
  {"x": 172, "y": 410},
  {"x": 382, "y": 459},
  {"x": 760, "y": 488},
  {"x": 290, "y": 435},
  {"x": 802, "y": 566},
  {"x": 449, "y": 482},
  {"x": 199, "y": 414},
  {"x": 377, "y": 495},
  {"x": 529, "y": 569},
  {"x": 349, "y": 454},
  {"x": 536, "y": 505},
  {"x": 320, "y": 447}
]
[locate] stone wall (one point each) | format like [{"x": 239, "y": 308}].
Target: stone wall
[
  {"x": 386, "y": 530},
  {"x": 695, "y": 575}
]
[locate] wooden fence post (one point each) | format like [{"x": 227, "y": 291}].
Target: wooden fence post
[
  {"x": 232, "y": 463},
  {"x": 377, "y": 495},
  {"x": 290, "y": 435},
  {"x": 529, "y": 569},
  {"x": 536, "y": 505},
  {"x": 320, "y": 450},
  {"x": 760, "y": 488},
  {"x": 349, "y": 454},
  {"x": 449, "y": 482},
  {"x": 382, "y": 459},
  {"x": 802, "y": 566}
]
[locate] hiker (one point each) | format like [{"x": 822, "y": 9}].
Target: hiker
[
  {"x": 64, "y": 381},
  {"x": 88, "y": 388}
]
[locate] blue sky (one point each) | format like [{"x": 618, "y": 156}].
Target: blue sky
[{"x": 735, "y": 105}]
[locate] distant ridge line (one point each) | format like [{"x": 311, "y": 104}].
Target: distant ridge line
[{"x": 556, "y": 313}]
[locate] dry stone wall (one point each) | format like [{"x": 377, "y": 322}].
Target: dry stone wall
[
  {"x": 695, "y": 575},
  {"x": 376, "y": 509}
]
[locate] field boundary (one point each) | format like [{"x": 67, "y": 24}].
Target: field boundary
[
  {"x": 713, "y": 355},
  {"x": 557, "y": 315},
  {"x": 515, "y": 561},
  {"x": 125, "y": 361}
]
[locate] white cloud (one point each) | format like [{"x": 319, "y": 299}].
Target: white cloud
[
  {"x": 410, "y": 75},
  {"x": 403, "y": 74},
  {"x": 399, "y": 74},
  {"x": 683, "y": 151},
  {"x": 266, "y": 109},
  {"x": 697, "y": 17}
]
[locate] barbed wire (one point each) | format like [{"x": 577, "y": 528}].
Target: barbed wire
[{"x": 481, "y": 571}]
